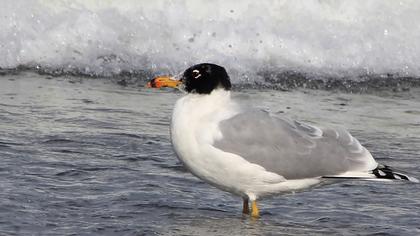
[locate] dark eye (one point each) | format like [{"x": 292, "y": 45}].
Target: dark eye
[{"x": 196, "y": 74}]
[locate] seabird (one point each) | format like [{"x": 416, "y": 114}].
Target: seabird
[{"x": 251, "y": 153}]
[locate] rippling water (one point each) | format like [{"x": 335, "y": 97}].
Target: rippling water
[{"x": 88, "y": 156}]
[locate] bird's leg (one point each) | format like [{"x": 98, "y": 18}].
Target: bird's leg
[
  {"x": 255, "y": 212},
  {"x": 245, "y": 209}
]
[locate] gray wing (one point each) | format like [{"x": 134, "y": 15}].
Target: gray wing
[{"x": 290, "y": 148}]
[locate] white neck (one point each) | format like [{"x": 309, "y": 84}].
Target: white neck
[{"x": 194, "y": 122}]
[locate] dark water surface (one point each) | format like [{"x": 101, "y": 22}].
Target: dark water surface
[{"x": 86, "y": 156}]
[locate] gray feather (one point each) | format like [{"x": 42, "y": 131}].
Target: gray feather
[{"x": 289, "y": 148}]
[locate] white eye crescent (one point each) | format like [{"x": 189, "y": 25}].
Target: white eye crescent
[{"x": 196, "y": 74}]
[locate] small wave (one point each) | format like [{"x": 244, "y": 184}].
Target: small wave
[
  {"x": 129, "y": 135},
  {"x": 268, "y": 79},
  {"x": 60, "y": 140},
  {"x": 67, "y": 151},
  {"x": 109, "y": 110},
  {"x": 131, "y": 42},
  {"x": 10, "y": 143},
  {"x": 66, "y": 141},
  {"x": 360, "y": 84},
  {"x": 72, "y": 172}
]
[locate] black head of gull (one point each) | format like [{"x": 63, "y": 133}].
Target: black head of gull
[
  {"x": 201, "y": 78},
  {"x": 204, "y": 78}
]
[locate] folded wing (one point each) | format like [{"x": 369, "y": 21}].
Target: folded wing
[{"x": 292, "y": 149}]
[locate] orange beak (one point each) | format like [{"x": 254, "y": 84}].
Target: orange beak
[{"x": 163, "y": 81}]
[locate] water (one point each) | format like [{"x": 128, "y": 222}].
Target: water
[
  {"x": 85, "y": 148},
  {"x": 87, "y": 156},
  {"x": 328, "y": 38}
]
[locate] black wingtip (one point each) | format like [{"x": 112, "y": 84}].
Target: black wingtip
[{"x": 385, "y": 172}]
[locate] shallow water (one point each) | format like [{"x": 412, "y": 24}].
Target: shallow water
[{"x": 87, "y": 156}]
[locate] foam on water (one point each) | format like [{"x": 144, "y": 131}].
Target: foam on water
[{"x": 333, "y": 38}]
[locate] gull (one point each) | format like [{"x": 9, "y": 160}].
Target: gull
[{"x": 251, "y": 153}]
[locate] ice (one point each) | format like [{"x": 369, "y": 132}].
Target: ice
[{"x": 338, "y": 38}]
